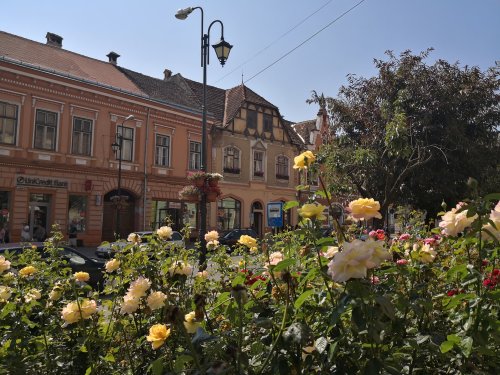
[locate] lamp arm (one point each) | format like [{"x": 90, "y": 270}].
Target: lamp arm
[{"x": 207, "y": 37}]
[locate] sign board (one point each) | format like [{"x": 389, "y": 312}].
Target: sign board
[
  {"x": 41, "y": 182},
  {"x": 275, "y": 214}
]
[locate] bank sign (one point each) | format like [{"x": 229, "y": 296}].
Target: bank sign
[{"x": 41, "y": 182}]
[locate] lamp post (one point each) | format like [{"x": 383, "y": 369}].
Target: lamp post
[
  {"x": 222, "y": 49},
  {"x": 117, "y": 147}
]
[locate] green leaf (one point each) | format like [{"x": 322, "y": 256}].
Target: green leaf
[
  {"x": 302, "y": 298},
  {"x": 492, "y": 197},
  {"x": 290, "y": 204},
  {"x": 284, "y": 264},
  {"x": 386, "y": 306},
  {"x": 453, "y": 338},
  {"x": 459, "y": 271},
  {"x": 446, "y": 346},
  {"x": 88, "y": 371},
  {"x": 373, "y": 367},
  {"x": 157, "y": 367},
  {"x": 466, "y": 346},
  {"x": 181, "y": 361}
]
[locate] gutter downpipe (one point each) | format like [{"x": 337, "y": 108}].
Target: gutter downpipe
[{"x": 144, "y": 196}]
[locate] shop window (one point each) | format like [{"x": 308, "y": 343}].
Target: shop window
[
  {"x": 194, "y": 155},
  {"x": 231, "y": 160},
  {"x": 229, "y": 214},
  {"x": 45, "y": 130},
  {"x": 8, "y": 123},
  {"x": 77, "y": 213},
  {"x": 82, "y": 137},
  {"x": 162, "y": 154}
]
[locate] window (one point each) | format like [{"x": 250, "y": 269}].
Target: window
[
  {"x": 268, "y": 123},
  {"x": 127, "y": 142},
  {"x": 77, "y": 212},
  {"x": 45, "y": 130},
  {"x": 231, "y": 160},
  {"x": 194, "y": 155},
  {"x": 82, "y": 136},
  {"x": 229, "y": 214},
  {"x": 282, "y": 167},
  {"x": 162, "y": 154},
  {"x": 258, "y": 163},
  {"x": 8, "y": 123},
  {"x": 251, "y": 119}
]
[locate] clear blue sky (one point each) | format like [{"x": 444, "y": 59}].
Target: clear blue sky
[{"x": 150, "y": 39}]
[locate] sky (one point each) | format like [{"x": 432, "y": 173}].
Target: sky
[{"x": 150, "y": 39}]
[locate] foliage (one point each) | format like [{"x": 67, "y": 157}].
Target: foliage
[
  {"x": 414, "y": 133},
  {"x": 189, "y": 190},
  {"x": 274, "y": 310},
  {"x": 195, "y": 175}
]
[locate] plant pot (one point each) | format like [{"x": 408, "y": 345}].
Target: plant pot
[
  {"x": 213, "y": 183},
  {"x": 211, "y": 196},
  {"x": 199, "y": 182},
  {"x": 191, "y": 198}
]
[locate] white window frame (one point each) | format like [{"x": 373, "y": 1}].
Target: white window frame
[
  {"x": 79, "y": 134},
  {"x": 16, "y": 124},
  {"x": 225, "y": 167},
  {"x": 45, "y": 127},
  {"x": 287, "y": 159},
  {"x": 162, "y": 148},
  {"x": 194, "y": 157}
]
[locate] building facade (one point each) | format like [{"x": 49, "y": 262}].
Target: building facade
[{"x": 60, "y": 113}]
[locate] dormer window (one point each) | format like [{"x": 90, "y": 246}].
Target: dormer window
[
  {"x": 251, "y": 119},
  {"x": 268, "y": 123}
]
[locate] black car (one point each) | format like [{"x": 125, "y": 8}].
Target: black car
[
  {"x": 76, "y": 261},
  {"x": 230, "y": 238}
]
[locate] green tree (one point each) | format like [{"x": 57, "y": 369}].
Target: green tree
[{"x": 415, "y": 133}]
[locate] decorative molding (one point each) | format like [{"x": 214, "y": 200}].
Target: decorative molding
[
  {"x": 171, "y": 128},
  {"x": 35, "y": 98},
  {"x": 73, "y": 106},
  {"x": 23, "y": 96}
]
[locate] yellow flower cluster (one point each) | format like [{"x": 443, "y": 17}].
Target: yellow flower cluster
[
  {"x": 158, "y": 333},
  {"x": 365, "y": 209},
  {"x": 72, "y": 313},
  {"x": 112, "y": 265},
  {"x": 81, "y": 276},
  {"x": 4, "y": 264},
  {"x": 136, "y": 290},
  {"x": 304, "y": 160},
  {"x": 27, "y": 271},
  {"x": 312, "y": 211}
]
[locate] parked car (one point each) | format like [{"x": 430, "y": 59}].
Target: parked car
[
  {"x": 230, "y": 238},
  {"x": 108, "y": 249},
  {"x": 76, "y": 261}
]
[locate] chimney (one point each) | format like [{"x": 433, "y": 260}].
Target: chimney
[
  {"x": 167, "y": 74},
  {"x": 113, "y": 57},
  {"x": 54, "y": 40}
]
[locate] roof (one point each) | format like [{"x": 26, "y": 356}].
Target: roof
[
  {"x": 57, "y": 60},
  {"x": 295, "y": 138},
  {"x": 304, "y": 129}
]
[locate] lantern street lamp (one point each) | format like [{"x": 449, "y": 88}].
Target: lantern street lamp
[
  {"x": 222, "y": 49},
  {"x": 117, "y": 147}
]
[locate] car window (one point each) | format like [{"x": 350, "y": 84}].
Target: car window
[
  {"x": 72, "y": 257},
  {"x": 176, "y": 236}
]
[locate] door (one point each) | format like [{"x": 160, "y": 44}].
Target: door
[{"x": 39, "y": 220}]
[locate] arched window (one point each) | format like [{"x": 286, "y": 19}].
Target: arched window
[
  {"x": 229, "y": 214},
  {"x": 282, "y": 170},
  {"x": 231, "y": 160}
]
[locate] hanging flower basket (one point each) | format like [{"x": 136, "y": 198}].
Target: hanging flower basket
[
  {"x": 191, "y": 198},
  {"x": 197, "y": 178},
  {"x": 213, "y": 179},
  {"x": 212, "y": 196},
  {"x": 190, "y": 193},
  {"x": 199, "y": 182}
]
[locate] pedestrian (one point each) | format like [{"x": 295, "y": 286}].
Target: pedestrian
[
  {"x": 39, "y": 233},
  {"x": 25, "y": 234},
  {"x": 72, "y": 234},
  {"x": 3, "y": 233}
]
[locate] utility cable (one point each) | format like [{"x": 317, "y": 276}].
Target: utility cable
[
  {"x": 305, "y": 41},
  {"x": 274, "y": 42}
]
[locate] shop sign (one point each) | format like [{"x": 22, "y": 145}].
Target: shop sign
[
  {"x": 41, "y": 182},
  {"x": 275, "y": 214}
]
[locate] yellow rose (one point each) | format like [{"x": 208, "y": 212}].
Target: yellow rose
[
  {"x": 135, "y": 238},
  {"x": 202, "y": 274},
  {"x": 304, "y": 160},
  {"x": 158, "y": 333},
  {"x": 312, "y": 211},
  {"x": 165, "y": 233},
  {"x": 82, "y": 276},
  {"x": 5, "y": 293},
  {"x": 130, "y": 304},
  {"x": 32, "y": 295},
  {"x": 71, "y": 313},
  {"x": 453, "y": 223},
  {"x": 4, "y": 264},
  {"x": 138, "y": 288},
  {"x": 156, "y": 300},
  {"x": 248, "y": 241},
  {"x": 180, "y": 268},
  {"x": 212, "y": 236},
  {"x": 352, "y": 262},
  {"x": 55, "y": 293},
  {"x": 88, "y": 308},
  {"x": 190, "y": 322},
  {"x": 112, "y": 265},
  {"x": 365, "y": 209},
  {"x": 426, "y": 254},
  {"x": 27, "y": 271}
]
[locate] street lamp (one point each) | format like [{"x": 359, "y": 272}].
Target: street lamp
[
  {"x": 117, "y": 147},
  {"x": 222, "y": 49}
]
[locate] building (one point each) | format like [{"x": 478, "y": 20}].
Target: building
[{"x": 60, "y": 112}]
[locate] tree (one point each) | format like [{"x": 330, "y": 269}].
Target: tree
[{"x": 416, "y": 132}]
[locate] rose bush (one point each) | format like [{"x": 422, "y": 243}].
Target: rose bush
[{"x": 294, "y": 303}]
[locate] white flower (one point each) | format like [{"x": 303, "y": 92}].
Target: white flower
[
  {"x": 156, "y": 300},
  {"x": 352, "y": 262},
  {"x": 112, "y": 265},
  {"x": 130, "y": 304},
  {"x": 4, "y": 264},
  {"x": 139, "y": 287},
  {"x": 212, "y": 236},
  {"x": 494, "y": 230},
  {"x": 134, "y": 238},
  {"x": 180, "y": 268},
  {"x": 453, "y": 223},
  {"x": 32, "y": 295},
  {"x": 5, "y": 293},
  {"x": 165, "y": 233}
]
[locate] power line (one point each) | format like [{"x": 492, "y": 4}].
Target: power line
[
  {"x": 274, "y": 42},
  {"x": 305, "y": 41}
]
